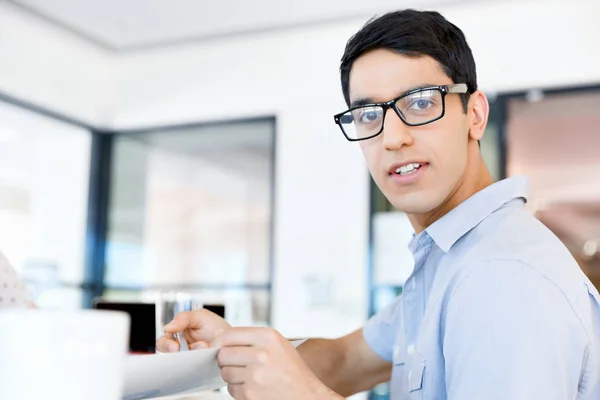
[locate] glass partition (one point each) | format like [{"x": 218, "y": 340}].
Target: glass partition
[
  {"x": 44, "y": 179},
  {"x": 190, "y": 209}
]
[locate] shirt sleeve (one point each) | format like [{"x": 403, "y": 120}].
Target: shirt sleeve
[
  {"x": 510, "y": 333},
  {"x": 12, "y": 290},
  {"x": 381, "y": 329}
]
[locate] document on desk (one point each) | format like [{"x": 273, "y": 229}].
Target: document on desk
[
  {"x": 165, "y": 374},
  {"x": 157, "y": 375}
]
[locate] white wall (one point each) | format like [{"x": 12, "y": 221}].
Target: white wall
[
  {"x": 529, "y": 44},
  {"x": 52, "y": 68}
]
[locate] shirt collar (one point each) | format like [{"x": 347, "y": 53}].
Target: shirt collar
[{"x": 451, "y": 227}]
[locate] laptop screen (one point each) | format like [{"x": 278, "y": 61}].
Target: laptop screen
[{"x": 143, "y": 324}]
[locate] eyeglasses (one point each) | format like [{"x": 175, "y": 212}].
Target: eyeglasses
[{"x": 415, "y": 108}]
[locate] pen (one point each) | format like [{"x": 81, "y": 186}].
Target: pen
[{"x": 183, "y": 346}]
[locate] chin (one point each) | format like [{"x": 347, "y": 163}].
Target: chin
[
  {"x": 413, "y": 208},
  {"x": 415, "y": 203}
]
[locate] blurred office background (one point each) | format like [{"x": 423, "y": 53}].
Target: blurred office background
[{"x": 152, "y": 146}]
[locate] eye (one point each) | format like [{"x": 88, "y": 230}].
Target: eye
[
  {"x": 422, "y": 101},
  {"x": 370, "y": 115},
  {"x": 421, "y": 104}
]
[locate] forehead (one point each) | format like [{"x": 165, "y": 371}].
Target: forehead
[{"x": 383, "y": 74}]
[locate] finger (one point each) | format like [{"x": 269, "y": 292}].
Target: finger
[
  {"x": 189, "y": 320},
  {"x": 233, "y": 375},
  {"x": 166, "y": 344},
  {"x": 236, "y": 391},
  {"x": 182, "y": 321},
  {"x": 247, "y": 337},
  {"x": 240, "y": 356},
  {"x": 199, "y": 345},
  {"x": 196, "y": 336}
]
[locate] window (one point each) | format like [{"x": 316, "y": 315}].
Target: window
[
  {"x": 190, "y": 210},
  {"x": 44, "y": 174}
]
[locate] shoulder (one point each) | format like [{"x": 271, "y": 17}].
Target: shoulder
[
  {"x": 499, "y": 275},
  {"x": 512, "y": 241},
  {"x": 511, "y": 232},
  {"x": 512, "y": 292}
]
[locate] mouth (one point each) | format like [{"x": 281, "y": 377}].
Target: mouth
[{"x": 406, "y": 169}]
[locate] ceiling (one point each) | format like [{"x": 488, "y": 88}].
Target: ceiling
[{"x": 141, "y": 24}]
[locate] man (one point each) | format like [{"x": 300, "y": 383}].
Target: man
[{"x": 496, "y": 307}]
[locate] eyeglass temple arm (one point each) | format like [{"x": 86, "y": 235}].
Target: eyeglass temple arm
[{"x": 457, "y": 88}]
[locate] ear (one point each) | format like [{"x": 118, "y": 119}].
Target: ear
[{"x": 477, "y": 114}]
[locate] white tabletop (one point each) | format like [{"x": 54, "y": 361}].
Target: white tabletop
[{"x": 199, "y": 396}]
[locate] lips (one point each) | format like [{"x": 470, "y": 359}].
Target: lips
[{"x": 406, "y": 168}]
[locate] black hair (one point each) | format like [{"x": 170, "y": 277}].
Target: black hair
[{"x": 414, "y": 33}]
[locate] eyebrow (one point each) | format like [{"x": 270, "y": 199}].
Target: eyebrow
[{"x": 370, "y": 100}]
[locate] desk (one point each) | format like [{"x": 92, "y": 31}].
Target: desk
[{"x": 199, "y": 396}]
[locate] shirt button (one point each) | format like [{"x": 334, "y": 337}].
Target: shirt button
[{"x": 410, "y": 349}]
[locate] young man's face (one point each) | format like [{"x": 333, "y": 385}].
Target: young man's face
[{"x": 440, "y": 147}]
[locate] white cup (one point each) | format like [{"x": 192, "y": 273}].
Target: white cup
[{"x": 48, "y": 355}]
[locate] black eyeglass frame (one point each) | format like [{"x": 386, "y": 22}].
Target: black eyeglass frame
[{"x": 459, "y": 88}]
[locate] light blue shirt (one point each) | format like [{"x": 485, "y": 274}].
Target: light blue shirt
[{"x": 495, "y": 309}]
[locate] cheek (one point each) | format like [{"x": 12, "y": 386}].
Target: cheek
[
  {"x": 371, "y": 152},
  {"x": 449, "y": 150},
  {"x": 455, "y": 154}
]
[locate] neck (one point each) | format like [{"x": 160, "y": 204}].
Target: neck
[{"x": 471, "y": 183}]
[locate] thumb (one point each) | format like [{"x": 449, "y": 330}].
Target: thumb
[
  {"x": 219, "y": 339},
  {"x": 199, "y": 345},
  {"x": 193, "y": 320},
  {"x": 179, "y": 323}
]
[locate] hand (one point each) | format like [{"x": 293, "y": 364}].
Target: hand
[
  {"x": 258, "y": 363},
  {"x": 199, "y": 327}
]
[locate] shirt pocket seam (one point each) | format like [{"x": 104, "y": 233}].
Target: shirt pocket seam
[
  {"x": 399, "y": 358},
  {"x": 416, "y": 373}
]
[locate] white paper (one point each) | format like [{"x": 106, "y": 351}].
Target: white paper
[
  {"x": 297, "y": 342},
  {"x": 165, "y": 374},
  {"x": 157, "y": 375}
]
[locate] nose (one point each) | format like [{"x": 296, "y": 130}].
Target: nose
[{"x": 395, "y": 132}]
